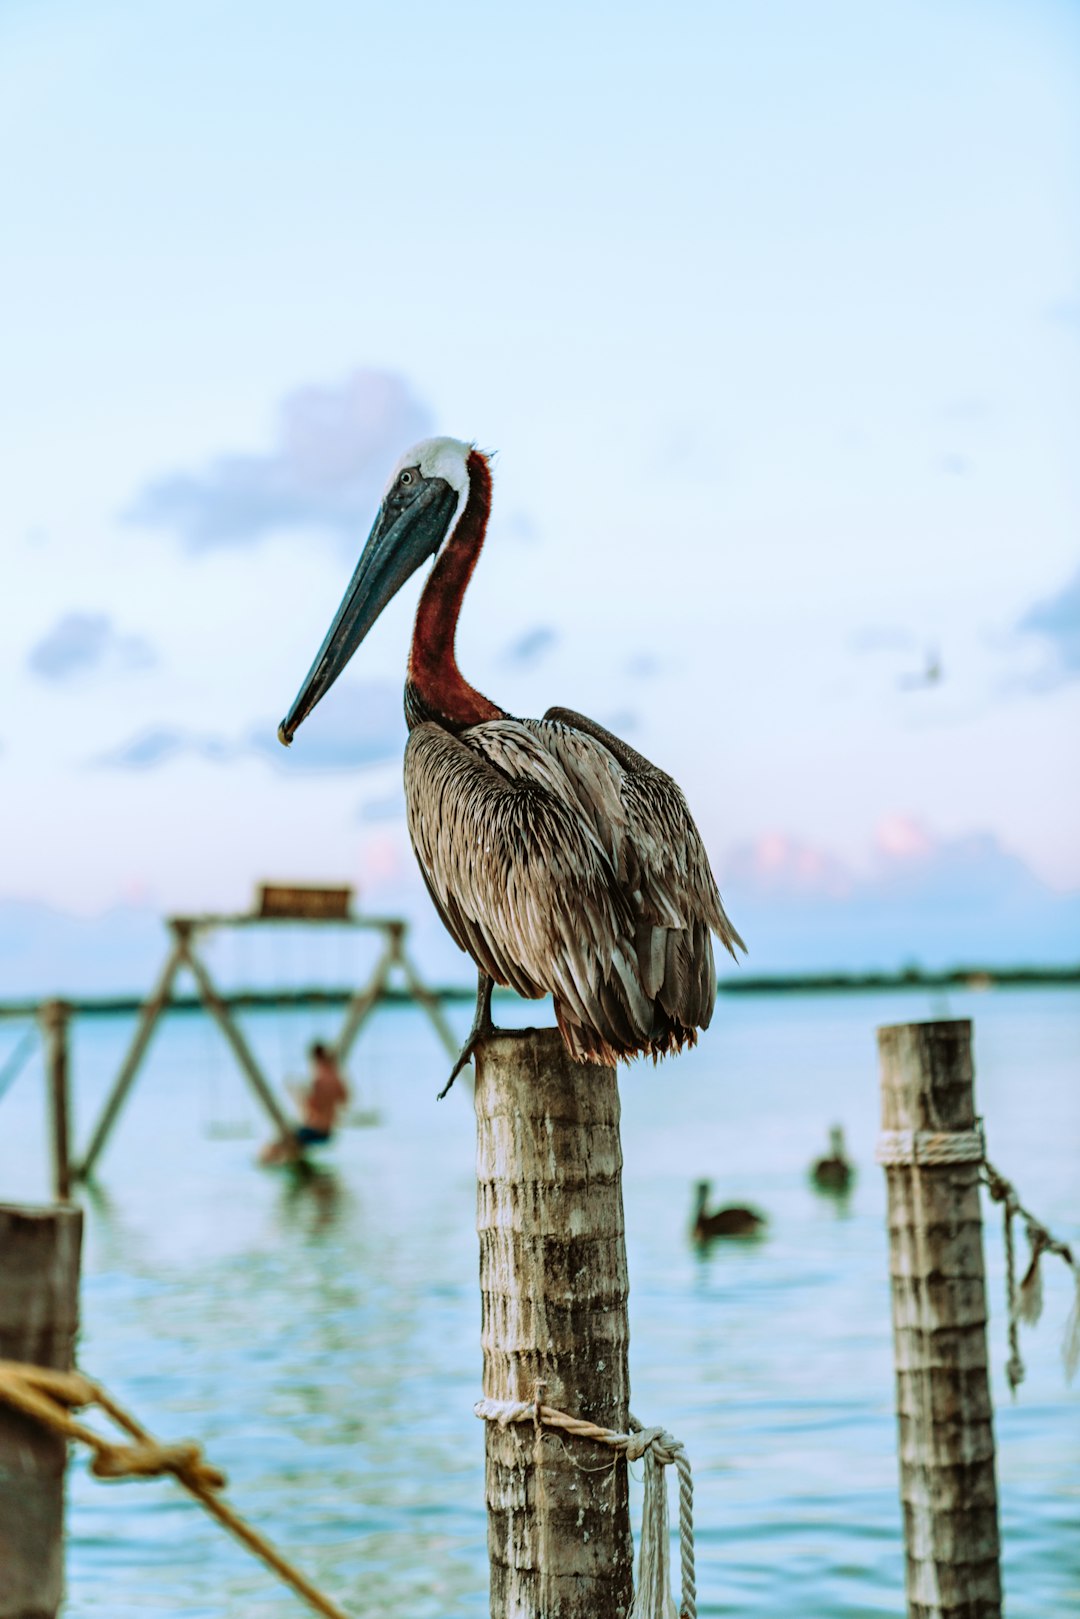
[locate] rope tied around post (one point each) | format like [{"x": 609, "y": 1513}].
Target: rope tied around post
[
  {"x": 49, "y": 1397},
  {"x": 652, "y": 1599},
  {"x": 1024, "y": 1300},
  {"x": 931, "y": 1147}
]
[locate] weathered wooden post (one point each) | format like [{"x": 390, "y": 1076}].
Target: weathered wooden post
[
  {"x": 553, "y": 1286},
  {"x": 54, "y": 1017},
  {"x": 931, "y": 1149},
  {"x": 39, "y": 1311}
]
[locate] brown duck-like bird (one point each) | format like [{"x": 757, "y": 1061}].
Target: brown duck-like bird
[
  {"x": 734, "y": 1221},
  {"x": 834, "y": 1172},
  {"x": 562, "y": 861}
]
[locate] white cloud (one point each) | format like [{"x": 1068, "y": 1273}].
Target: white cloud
[
  {"x": 84, "y": 643},
  {"x": 364, "y": 726},
  {"x": 941, "y": 902},
  {"x": 335, "y": 446},
  {"x": 531, "y": 647},
  {"x": 1057, "y": 621}
]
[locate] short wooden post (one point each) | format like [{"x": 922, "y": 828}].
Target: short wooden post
[
  {"x": 39, "y": 1308},
  {"x": 54, "y": 1017},
  {"x": 553, "y": 1286},
  {"x": 947, "y": 1484}
]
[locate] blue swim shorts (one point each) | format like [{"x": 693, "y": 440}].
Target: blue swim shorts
[{"x": 307, "y": 1137}]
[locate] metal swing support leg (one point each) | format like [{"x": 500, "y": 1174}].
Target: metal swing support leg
[
  {"x": 220, "y": 1014},
  {"x": 148, "y": 1018},
  {"x": 365, "y": 1000},
  {"x": 182, "y": 954},
  {"x": 430, "y": 1003}
]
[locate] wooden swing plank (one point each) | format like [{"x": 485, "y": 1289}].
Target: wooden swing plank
[{"x": 292, "y": 902}]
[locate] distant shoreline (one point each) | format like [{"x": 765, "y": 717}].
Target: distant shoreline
[{"x": 910, "y": 978}]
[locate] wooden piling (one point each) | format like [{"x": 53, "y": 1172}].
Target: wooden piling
[
  {"x": 553, "y": 1285},
  {"x": 947, "y": 1485},
  {"x": 54, "y": 1016},
  {"x": 39, "y": 1306}
]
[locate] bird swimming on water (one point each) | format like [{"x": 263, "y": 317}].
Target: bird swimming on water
[
  {"x": 834, "y": 1172},
  {"x": 734, "y": 1221},
  {"x": 562, "y": 861}
]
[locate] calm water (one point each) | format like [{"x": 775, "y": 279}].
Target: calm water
[{"x": 323, "y": 1338}]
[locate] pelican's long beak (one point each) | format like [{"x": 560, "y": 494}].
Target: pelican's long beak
[{"x": 400, "y": 540}]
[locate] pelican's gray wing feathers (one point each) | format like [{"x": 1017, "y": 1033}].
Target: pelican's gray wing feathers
[
  {"x": 521, "y": 880},
  {"x": 565, "y": 863}
]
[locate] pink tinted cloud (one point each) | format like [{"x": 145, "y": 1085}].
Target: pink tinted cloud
[
  {"x": 899, "y": 837},
  {"x": 776, "y": 862}
]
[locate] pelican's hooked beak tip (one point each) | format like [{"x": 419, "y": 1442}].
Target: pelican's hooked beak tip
[{"x": 283, "y": 736}]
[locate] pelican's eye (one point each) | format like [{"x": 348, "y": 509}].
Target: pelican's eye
[{"x": 405, "y": 487}]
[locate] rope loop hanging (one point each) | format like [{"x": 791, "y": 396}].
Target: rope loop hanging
[
  {"x": 1025, "y": 1299},
  {"x": 652, "y": 1599},
  {"x": 930, "y": 1149}
]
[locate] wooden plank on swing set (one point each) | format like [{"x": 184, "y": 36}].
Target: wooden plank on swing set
[{"x": 293, "y": 902}]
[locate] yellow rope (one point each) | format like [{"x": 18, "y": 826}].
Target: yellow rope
[{"x": 47, "y": 1397}]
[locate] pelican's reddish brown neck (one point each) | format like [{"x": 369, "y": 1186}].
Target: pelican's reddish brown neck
[{"x": 434, "y": 676}]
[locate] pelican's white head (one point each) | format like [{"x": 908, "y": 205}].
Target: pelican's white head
[
  {"x": 436, "y": 458},
  {"x": 445, "y": 458}
]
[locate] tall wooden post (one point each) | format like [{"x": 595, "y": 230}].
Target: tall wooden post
[
  {"x": 54, "y": 1017},
  {"x": 553, "y": 1286},
  {"x": 947, "y": 1484},
  {"x": 39, "y": 1308}
]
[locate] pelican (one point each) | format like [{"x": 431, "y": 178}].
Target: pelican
[
  {"x": 834, "y": 1172},
  {"x": 734, "y": 1221},
  {"x": 558, "y": 858}
]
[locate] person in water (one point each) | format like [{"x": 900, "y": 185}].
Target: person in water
[{"x": 319, "y": 1104}]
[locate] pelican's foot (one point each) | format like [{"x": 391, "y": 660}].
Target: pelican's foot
[
  {"x": 465, "y": 1056},
  {"x": 482, "y": 1026}
]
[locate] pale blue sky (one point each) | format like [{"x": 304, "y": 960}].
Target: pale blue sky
[{"x": 772, "y": 312}]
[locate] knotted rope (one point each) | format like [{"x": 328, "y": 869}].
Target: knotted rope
[
  {"x": 48, "y": 1397},
  {"x": 652, "y": 1599},
  {"x": 1024, "y": 1301}
]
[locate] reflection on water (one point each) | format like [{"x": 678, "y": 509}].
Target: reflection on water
[
  {"x": 312, "y": 1196},
  {"x": 319, "y": 1331}
]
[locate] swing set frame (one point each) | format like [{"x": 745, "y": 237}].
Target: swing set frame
[{"x": 277, "y": 905}]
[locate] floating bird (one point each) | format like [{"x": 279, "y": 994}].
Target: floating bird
[
  {"x": 735, "y": 1221},
  {"x": 833, "y": 1173},
  {"x": 562, "y": 861}
]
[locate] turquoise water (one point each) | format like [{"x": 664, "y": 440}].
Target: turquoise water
[{"x": 322, "y": 1339}]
